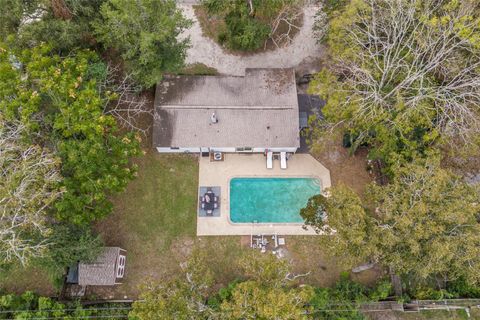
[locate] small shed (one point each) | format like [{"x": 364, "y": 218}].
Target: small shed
[{"x": 107, "y": 270}]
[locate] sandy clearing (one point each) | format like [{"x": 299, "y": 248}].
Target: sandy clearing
[{"x": 204, "y": 50}]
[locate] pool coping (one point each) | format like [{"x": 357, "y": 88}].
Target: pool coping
[
  {"x": 253, "y": 166},
  {"x": 264, "y": 177}
]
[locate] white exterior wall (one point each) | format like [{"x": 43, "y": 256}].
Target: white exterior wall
[
  {"x": 286, "y": 149},
  {"x": 179, "y": 150},
  {"x": 222, "y": 149}
]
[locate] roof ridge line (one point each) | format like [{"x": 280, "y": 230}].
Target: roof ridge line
[{"x": 243, "y": 107}]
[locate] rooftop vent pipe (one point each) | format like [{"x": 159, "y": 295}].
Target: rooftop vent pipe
[{"x": 213, "y": 118}]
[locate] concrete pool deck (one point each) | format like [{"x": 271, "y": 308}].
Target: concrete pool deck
[{"x": 219, "y": 173}]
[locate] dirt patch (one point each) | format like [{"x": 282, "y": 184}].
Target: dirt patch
[
  {"x": 468, "y": 167},
  {"x": 324, "y": 271},
  {"x": 345, "y": 168}
]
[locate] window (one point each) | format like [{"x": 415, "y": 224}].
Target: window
[
  {"x": 244, "y": 149},
  {"x": 121, "y": 266}
]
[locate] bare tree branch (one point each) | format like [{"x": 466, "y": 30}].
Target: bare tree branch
[
  {"x": 28, "y": 187},
  {"x": 128, "y": 106},
  {"x": 419, "y": 59},
  {"x": 284, "y": 25}
]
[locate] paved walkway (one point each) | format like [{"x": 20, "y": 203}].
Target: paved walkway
[
  {"x": 304, "y": 48},
  {"x": 253, "y": 165}
]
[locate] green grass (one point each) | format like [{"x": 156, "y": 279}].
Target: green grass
[
  {"x": 198, "y": 69},
  {"x": 437, "y": 315},
  {"x": 17, "y": 279},
  {"x": 161, "y": 202},
  {"x": 155, "y": 221}
]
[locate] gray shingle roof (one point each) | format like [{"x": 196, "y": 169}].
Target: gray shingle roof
[
  {"x": 101, "y": 272},
  {"x": 257, "y": 110}
]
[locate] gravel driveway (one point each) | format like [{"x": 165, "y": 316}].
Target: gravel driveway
[{"x": 303, "y": 48}]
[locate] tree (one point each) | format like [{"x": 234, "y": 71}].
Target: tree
[
  {"x": 251, "y": 300},
  {"x": 31, "y": 306},
  {"x": 344, "y": 223},
  {"x": 64, "y": 24},
  {"x": 68, "y": 244},
  {"x": 427, "y": 223},
  {"x": 424, "y": 224},
  {"x": 145, "y": 33},
  {"x": 343, "y": 300},
  {"x": 29, "y": 186},
  {"x": 404, "y": 75},
  {"x": 249, "y": 24},
  {"x": 268, "y": 293},
  {"x": 183, "y": 297},
  {"x": 59, "y": 102},
  {"x": 12, "y": 14}
]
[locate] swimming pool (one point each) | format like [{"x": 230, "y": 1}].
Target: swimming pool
[{"x": 274, "y": 200}]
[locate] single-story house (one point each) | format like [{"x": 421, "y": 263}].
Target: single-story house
[
  {"x": 107, "y": 270},
  {"x": 252, "y": 113}
]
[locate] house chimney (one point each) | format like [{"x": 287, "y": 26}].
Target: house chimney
[{"x": 213, "y": 118}]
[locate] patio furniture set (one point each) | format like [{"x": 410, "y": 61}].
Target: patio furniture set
[{"x": 209, "y": 202}]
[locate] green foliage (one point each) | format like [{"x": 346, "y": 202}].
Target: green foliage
[
  {"x": 181, "y": 298},
  {"x": 95, "y": 156},
  {"x": 370, "y": 86},
  {"x": 342, "y": 301},
  {"x": 170, "y": 300},
  {"x": 30, "y": 306},
  {"x": 29, "y": 186},
  {"x": 265, "y": 269},
  {"x": 267, "y": 293},
  {"x": 246, "y": 28},
  {"x": 12, "y": 13},
  {"x": 198, "y": 69},
  {"x": 342, "y": 213},
  {"x": 427, "y": 221},
  {"x": 333, "y": 7},
  {"x": 460, "y": 288},
  {"x": 243, "y": 33},
  {"x": 145, "y": 33},
  {"x": 64, "y": 33},
  {"x": 424, "y": 224},
  {"x": 251, "y": 299},
  {"x": 438, "y": 289},
  {"x": 69, "y": 244},
  {"x": 269, "y": 290}
]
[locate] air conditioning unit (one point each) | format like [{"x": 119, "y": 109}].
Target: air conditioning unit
[{"x": 217, "y": 156}]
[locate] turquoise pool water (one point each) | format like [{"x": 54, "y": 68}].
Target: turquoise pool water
[{"x": 270, "y": 199}]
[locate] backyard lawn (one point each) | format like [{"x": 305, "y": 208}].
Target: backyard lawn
[
  {"x": 17, "y": 279},
  {"x": 155, "y": 221}
]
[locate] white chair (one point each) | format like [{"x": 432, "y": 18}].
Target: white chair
[
  {"x": 269, "y": 160},
  {"x": 283, "y": 160}
]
